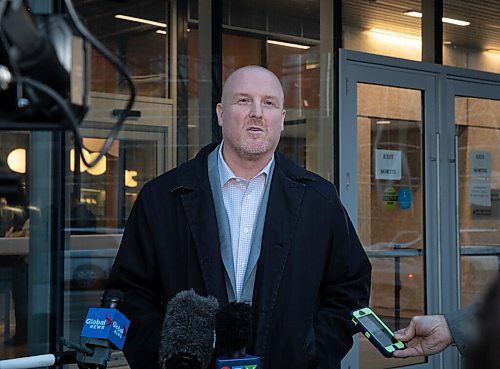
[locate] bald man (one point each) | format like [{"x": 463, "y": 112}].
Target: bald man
[{"x": 241, "y": 222}]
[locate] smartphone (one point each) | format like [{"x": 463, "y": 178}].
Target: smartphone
[{"x": 379, "y": 334}]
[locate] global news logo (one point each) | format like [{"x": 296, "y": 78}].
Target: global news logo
[
  {"x": 98, "y": 324},
  {"x": 119, "y": 331},
  {"x": 253, "y": 366},
  {"x": 101, "y": 325}
]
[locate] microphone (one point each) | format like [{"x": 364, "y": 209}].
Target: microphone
[
  {"x": 38, "y": 361},
  {"x": 104, "y": 328},
  {"x": 233, "y": 329},
  {"x": 187, "y": 337}
]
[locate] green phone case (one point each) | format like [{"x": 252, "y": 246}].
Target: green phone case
[{"x": 376, "y": 331}]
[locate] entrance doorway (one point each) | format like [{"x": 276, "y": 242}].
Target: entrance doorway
[{"x": 408, "y": 134}]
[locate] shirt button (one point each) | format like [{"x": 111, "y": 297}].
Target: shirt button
[
  {"x": 245, "y": 230},
  {"x": 249, "y": 197}
]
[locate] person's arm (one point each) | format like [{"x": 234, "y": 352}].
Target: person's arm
[
  {"x": 346, "y": 287},
  {"x": 426, "y": 335},
  {"x": 135, "y": 273},
  {"x": 462, "y": 326},
  {"x": 431, "y": 334}
]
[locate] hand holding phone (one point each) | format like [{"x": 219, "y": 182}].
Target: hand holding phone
[{"x": 375, "y": 330}]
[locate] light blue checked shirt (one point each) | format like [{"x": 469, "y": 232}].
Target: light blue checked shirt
[{"x": 242, "y": 200}]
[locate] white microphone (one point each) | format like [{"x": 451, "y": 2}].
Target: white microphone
[{"x": 39, "y": 361}]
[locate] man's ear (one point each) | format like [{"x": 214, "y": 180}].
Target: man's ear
[
  {"x": 219, "y": 110},
  {"x": 283, "y": 114}
]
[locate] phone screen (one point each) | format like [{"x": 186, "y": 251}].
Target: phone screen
[{"x": 377, "y": 330}]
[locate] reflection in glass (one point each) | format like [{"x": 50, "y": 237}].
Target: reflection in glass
[
  {"x": 14, "y": 233},
  {"x": 477, "y": 123},
  {"x": 473, "y": 45},
  {"x": 382, "y": 28},
  {"x": 143, "y": 49},
  {"x": 390, "y": 210},
  {"x": 101, "y": 200}
]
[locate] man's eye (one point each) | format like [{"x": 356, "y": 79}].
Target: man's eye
[
  {"x": 270, "y": 103},
  {"x": 243, "y": 100}
]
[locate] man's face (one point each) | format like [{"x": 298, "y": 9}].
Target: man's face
[{"x": 251, "y": 113}]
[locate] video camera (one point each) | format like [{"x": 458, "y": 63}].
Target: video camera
[{"x": 44, "y": 70}]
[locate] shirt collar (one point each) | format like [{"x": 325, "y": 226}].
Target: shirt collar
[{"x": 225, "y": 173}]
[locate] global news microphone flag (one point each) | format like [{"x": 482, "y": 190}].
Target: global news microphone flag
[
  {"x": 106, "y": 324},
  {"x": 103, "y": 329}
]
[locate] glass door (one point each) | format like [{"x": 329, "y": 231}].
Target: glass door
[
  {"x": 387, "y": 155},
  {"x": 101, "y": 200},
  {"x": 476, "y": 123}
]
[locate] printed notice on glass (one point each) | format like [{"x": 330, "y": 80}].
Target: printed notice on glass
[
  {"x": 480, "y": 164},
  {"x": 480, "y": 172},
  {"x": 480, "y": 193},
  {"x": 388, "y": 164}
]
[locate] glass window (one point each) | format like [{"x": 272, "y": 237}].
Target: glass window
[
  {"x": 136, "y": 34},
  {"x": 26, "y": 242},
  {"x": 390, "y": 206},
  {"x": 471, "y": 31},
  {"x": 290, "y": 43},
  {"x": 471, "y": 35},
  {"x": 477, "y": 123},
  {"x": 382, "y": 27},
  {"x": 14, "y": 233},
  {"x": 100, "y": 198}
]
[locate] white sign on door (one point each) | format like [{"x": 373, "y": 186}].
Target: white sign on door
[
  {"x": 388, "y": 164},
  {"x": 480, "y": 178},
  {"x": 480, "y": 164},
  {"x": 480, "y": 193}
]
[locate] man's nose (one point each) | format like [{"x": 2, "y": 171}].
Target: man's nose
[{"x": 256, "y": 109}]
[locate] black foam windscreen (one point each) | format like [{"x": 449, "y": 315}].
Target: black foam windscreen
[
  {"x": 233, "y": 327},
  {"x": 187, "y": 337}
]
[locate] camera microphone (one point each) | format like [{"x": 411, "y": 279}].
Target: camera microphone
[
  {"x": 104, "y": 328},
  {"x": 187, "y": 337},
  {"x": 233, "y": 330}
]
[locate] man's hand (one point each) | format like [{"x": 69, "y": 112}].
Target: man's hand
[{"x": 426, "y": 335}]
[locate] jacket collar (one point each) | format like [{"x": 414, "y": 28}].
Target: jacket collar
[{"x": 194, "y": 173}]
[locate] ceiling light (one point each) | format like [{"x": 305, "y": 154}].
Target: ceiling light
[
  {"x": 494, "y": 51},
  {"x": 288, "y": 44},
  {"x": 384, "y": 32},
  {"x": 141, "y": 20},
  {"x": 383, "y": 122},
  {"x": 458, "y": 22},
  {"x": 83, "y": 167},
  {"x": 100, "y": 167},
  {"x": 129, "y": 178},
  {"x": 16, "y": 160},
  {"x": 312, "y": 66},
  {"x": 161, "y": 32},
  {"x": 447, "y": 42},
  {"x": 412, "y": 13}
]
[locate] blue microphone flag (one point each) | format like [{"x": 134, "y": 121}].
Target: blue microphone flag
[
  {"x": 245, "y": 362},
  {"x": 106, "y": 324}
]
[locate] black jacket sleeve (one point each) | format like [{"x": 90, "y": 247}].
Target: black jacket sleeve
[{"x": 345, "y": 287}]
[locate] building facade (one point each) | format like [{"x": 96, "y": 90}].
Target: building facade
[{"x": 396, "y": 102}]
